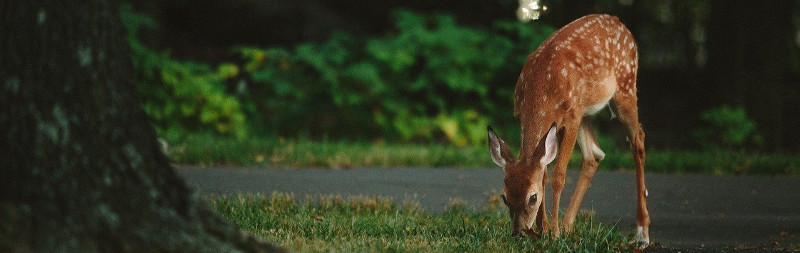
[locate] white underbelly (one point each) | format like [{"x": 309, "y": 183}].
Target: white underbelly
[
  {"x": 604, "y": 91},
  {"x": 591, "y": 110}
]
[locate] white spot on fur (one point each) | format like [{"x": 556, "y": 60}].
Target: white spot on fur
[{"x": 564, "y": 72}]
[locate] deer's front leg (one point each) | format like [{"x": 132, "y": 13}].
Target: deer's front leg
[
  {"x": 541, "y": 217},
  {"x": 590, "y": 150},
  {"x": 560, "y": 169}
]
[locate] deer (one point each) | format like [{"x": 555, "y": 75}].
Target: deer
[{"x": 580, "y": 69}]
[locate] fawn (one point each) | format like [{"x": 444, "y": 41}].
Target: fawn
[{"x": 580, "y": 69}]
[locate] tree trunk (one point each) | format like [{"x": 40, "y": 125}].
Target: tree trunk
[{"x": 81, "y": 168}]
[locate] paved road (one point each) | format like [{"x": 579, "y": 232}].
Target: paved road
[{"x": 686, "y": 210}]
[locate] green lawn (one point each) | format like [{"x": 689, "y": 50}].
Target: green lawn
[
  {"x": 211, "y": 150},
  {"x": 373, "y": 224},
  {"x": 270, "y": 152}
]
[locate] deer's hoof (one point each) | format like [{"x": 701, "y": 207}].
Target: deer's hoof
[{"x": 642, "y": 238}]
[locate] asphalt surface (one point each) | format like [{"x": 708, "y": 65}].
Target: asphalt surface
[{"x": 687, "y": 211}]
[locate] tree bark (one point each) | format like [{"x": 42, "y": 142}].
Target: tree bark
[{"x": 81, "y": 168}]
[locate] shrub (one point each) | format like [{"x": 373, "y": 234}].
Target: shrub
[
  {"x": 428, "y": 79},
  {"x": 727, "y": 128},
  {"x": 180, "y": 96}
]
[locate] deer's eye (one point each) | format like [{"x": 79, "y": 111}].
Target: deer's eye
[
  {"x": 503, "y": 196},
  {"x": 532, "y": 200}
]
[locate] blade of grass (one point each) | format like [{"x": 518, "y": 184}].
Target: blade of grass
[
  {"x": 376, "y": 224},
  {"x": 206, "y": 149}
]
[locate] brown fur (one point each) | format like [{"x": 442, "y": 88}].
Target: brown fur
[{"x": 573, "y": 74}]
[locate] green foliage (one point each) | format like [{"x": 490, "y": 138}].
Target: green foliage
[
  {"x": 429, "y": 79},
  {"x": 526, "y": 37},
  {"x": 208, "y": 149},
  {"x": 377, "y": 224},
  {"x": 181, "y": 96},
  {"x": 727, "y": 128},
  {"x": 718, "y": 161}
]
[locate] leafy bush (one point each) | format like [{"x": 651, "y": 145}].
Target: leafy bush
[
  {"x": 180, "y": 96},
  {"x": 428, "y": 79},
  {"x": 727, "y": 128}
]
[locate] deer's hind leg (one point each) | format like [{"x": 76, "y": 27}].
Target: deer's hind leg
[{"x": 628, "y": 114}]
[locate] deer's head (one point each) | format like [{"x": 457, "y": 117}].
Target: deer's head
[{"x": 524, "y": 179}]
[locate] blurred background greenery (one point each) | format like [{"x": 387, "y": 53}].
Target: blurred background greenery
[{"x": 714, "y": 75}]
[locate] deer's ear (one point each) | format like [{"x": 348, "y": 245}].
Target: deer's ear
[
  {"x": 550, "y": 147},
  {"x": 501, "y": 154}
]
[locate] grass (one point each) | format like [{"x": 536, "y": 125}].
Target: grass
[
  {"x": 375, "y": 224},
  {"x": 209, "y": 150},
  {"x": 267, "y": 152}
]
